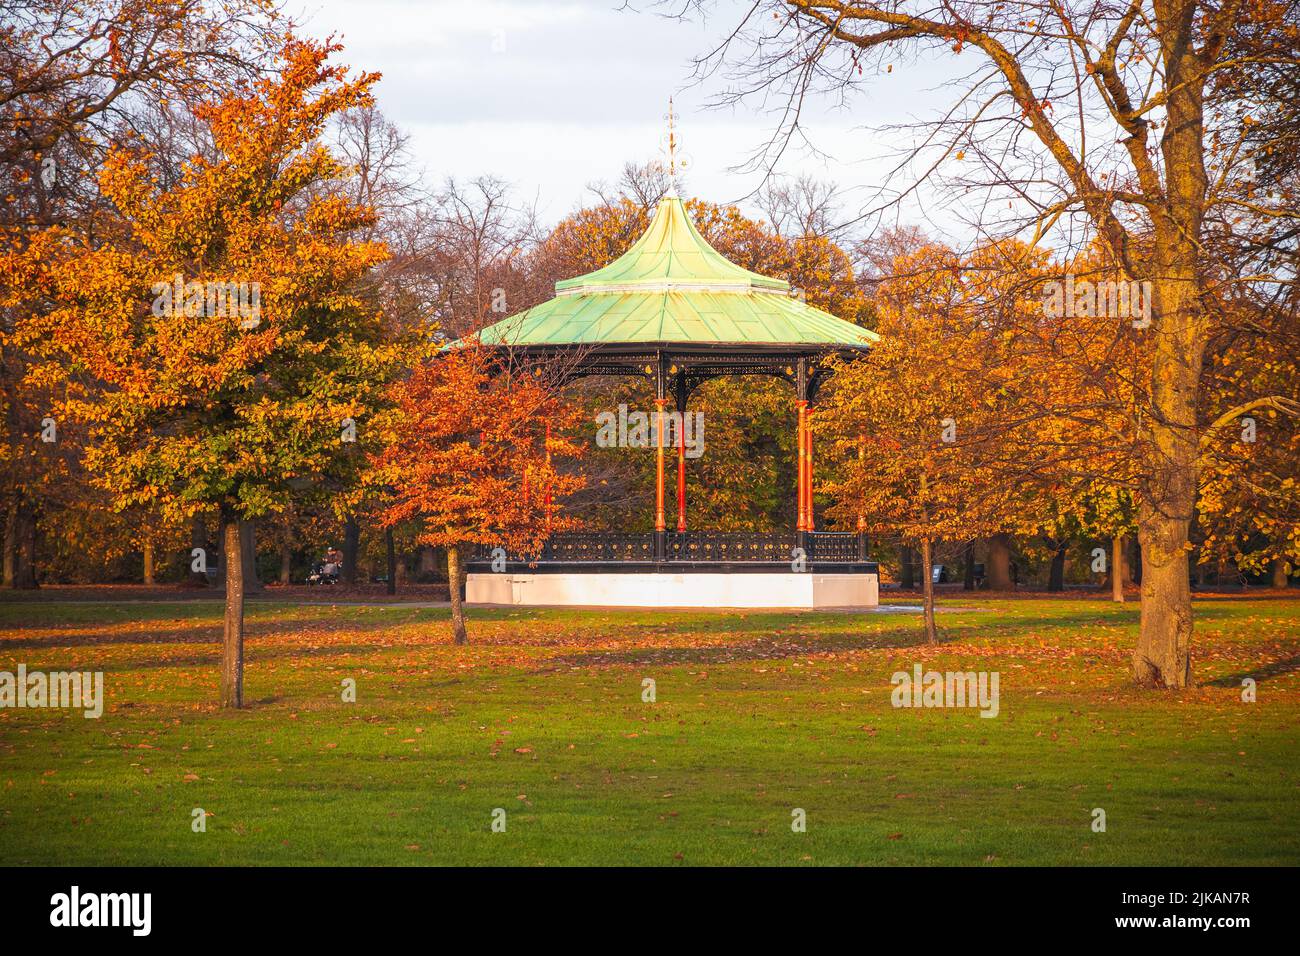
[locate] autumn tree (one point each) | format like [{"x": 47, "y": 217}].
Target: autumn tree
[
  {"x": 1120, "y": 118},
  {"x": 210, "y": 338},
  {"x": 1101, "y": 514},
  {"x": 74, "y": 69},
  {"x": 476, "y": 444},
  {"x": 478, "y": 239},
  {"x": 1248, "y": 506},
  {"x": 383, "y": 176},
  {"x": 916, "y": 437},
  {"x": 894, "y": 424},
  {"x": 76, "y": 76}
]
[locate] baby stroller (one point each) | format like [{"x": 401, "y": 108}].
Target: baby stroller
[{"x": 324, "y": 572}]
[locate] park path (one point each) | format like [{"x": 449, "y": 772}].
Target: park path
[{"x": 426, "y": 605}]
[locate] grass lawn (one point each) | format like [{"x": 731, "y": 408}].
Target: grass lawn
[{"x": 756, "y": 714}]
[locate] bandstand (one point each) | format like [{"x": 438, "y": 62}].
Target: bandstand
[{"x": 675, "y": 311}]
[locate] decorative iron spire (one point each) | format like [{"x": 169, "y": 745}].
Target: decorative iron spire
[
  {"x": 671, "y": 117},
  {"x": 672, "y": 141}
]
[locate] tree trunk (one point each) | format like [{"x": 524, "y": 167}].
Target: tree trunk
[
  {"x": 25, "y": 520},
  {"x": 351, "y": 545},
  {"x": 1126, "y": 563},
  {"x": 1117, "y": 569},
  {"x": 1162, "y": 657},
  {"x": 998, "y": 571},
  {"x": 428, "y": 566},
  {"x": 1133, "y": 570},
  {"x": 147, "y": 547},
  {"x": 927, "y": 589},
  {"x": 1180, "y": 329},
  {"x": 198, "y": 539},
  {"x": 232, "y": 639},
  {"x": 968, "y": 578},
  {"x": 248, "y": 557},
  {"x": 391, "y": 546},
  {"x": 1056, "y": 576},
  {"x": 906, "y": 570},
  {"x": 10, "y": 544},
  {"x": 286, "y": 562},
  {"x": 1281, "y": 577},
  {"x": 453, "y": 590}
]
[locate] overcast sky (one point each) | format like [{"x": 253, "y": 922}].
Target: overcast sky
[{"x": 553, "y": 95}]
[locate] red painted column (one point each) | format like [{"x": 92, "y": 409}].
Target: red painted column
[
  {"x": 681, "y": 471},
  {"x": 660, "y": 523},
  {"x": 802, "y": 524},
  {"x": 810, "y": 520}
]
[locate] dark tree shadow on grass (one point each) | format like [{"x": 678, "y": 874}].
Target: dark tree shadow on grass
[
  {"x": 588, "y": 639},
  {"x": 756, "y": 650},
  {"x": 253, "y": 653},
  {"x": 1278, "y": 668},
  {"x": 205, "y": 634}
]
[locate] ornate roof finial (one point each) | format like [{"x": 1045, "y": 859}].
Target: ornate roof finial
[
  {"x": 672, "y": 141},
  {"x": 671, "y": 117}
]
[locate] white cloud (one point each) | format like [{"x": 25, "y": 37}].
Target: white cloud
[{"x": 572, "y": 90}]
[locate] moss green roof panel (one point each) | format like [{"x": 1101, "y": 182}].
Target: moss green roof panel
[
  {"x": 690, "y": 317},
  {"x": 673, "y": 287},
  {"x": 671, "y": 252}
]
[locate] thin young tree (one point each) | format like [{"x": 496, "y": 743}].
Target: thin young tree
[
  {"x": 476, "y": 444},
  {"x": 914, "y": 435}
]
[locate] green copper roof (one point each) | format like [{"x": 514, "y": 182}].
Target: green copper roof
[
  {"x": 672, "y": 286},
  {"x": 671, "y": 255}
]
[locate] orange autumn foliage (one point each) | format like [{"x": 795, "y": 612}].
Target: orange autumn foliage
[{"x": 474, "y": 453}]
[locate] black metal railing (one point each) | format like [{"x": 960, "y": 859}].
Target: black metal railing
[
  {"x": 588, "y": 546},
  {"x": 688, "y": 551},
  {"x": 835, "y": 546},
  {"x": 730, "y": 546}
]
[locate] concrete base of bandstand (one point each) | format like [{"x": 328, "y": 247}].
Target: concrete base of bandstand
[{"x": 663, "y": 589}]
